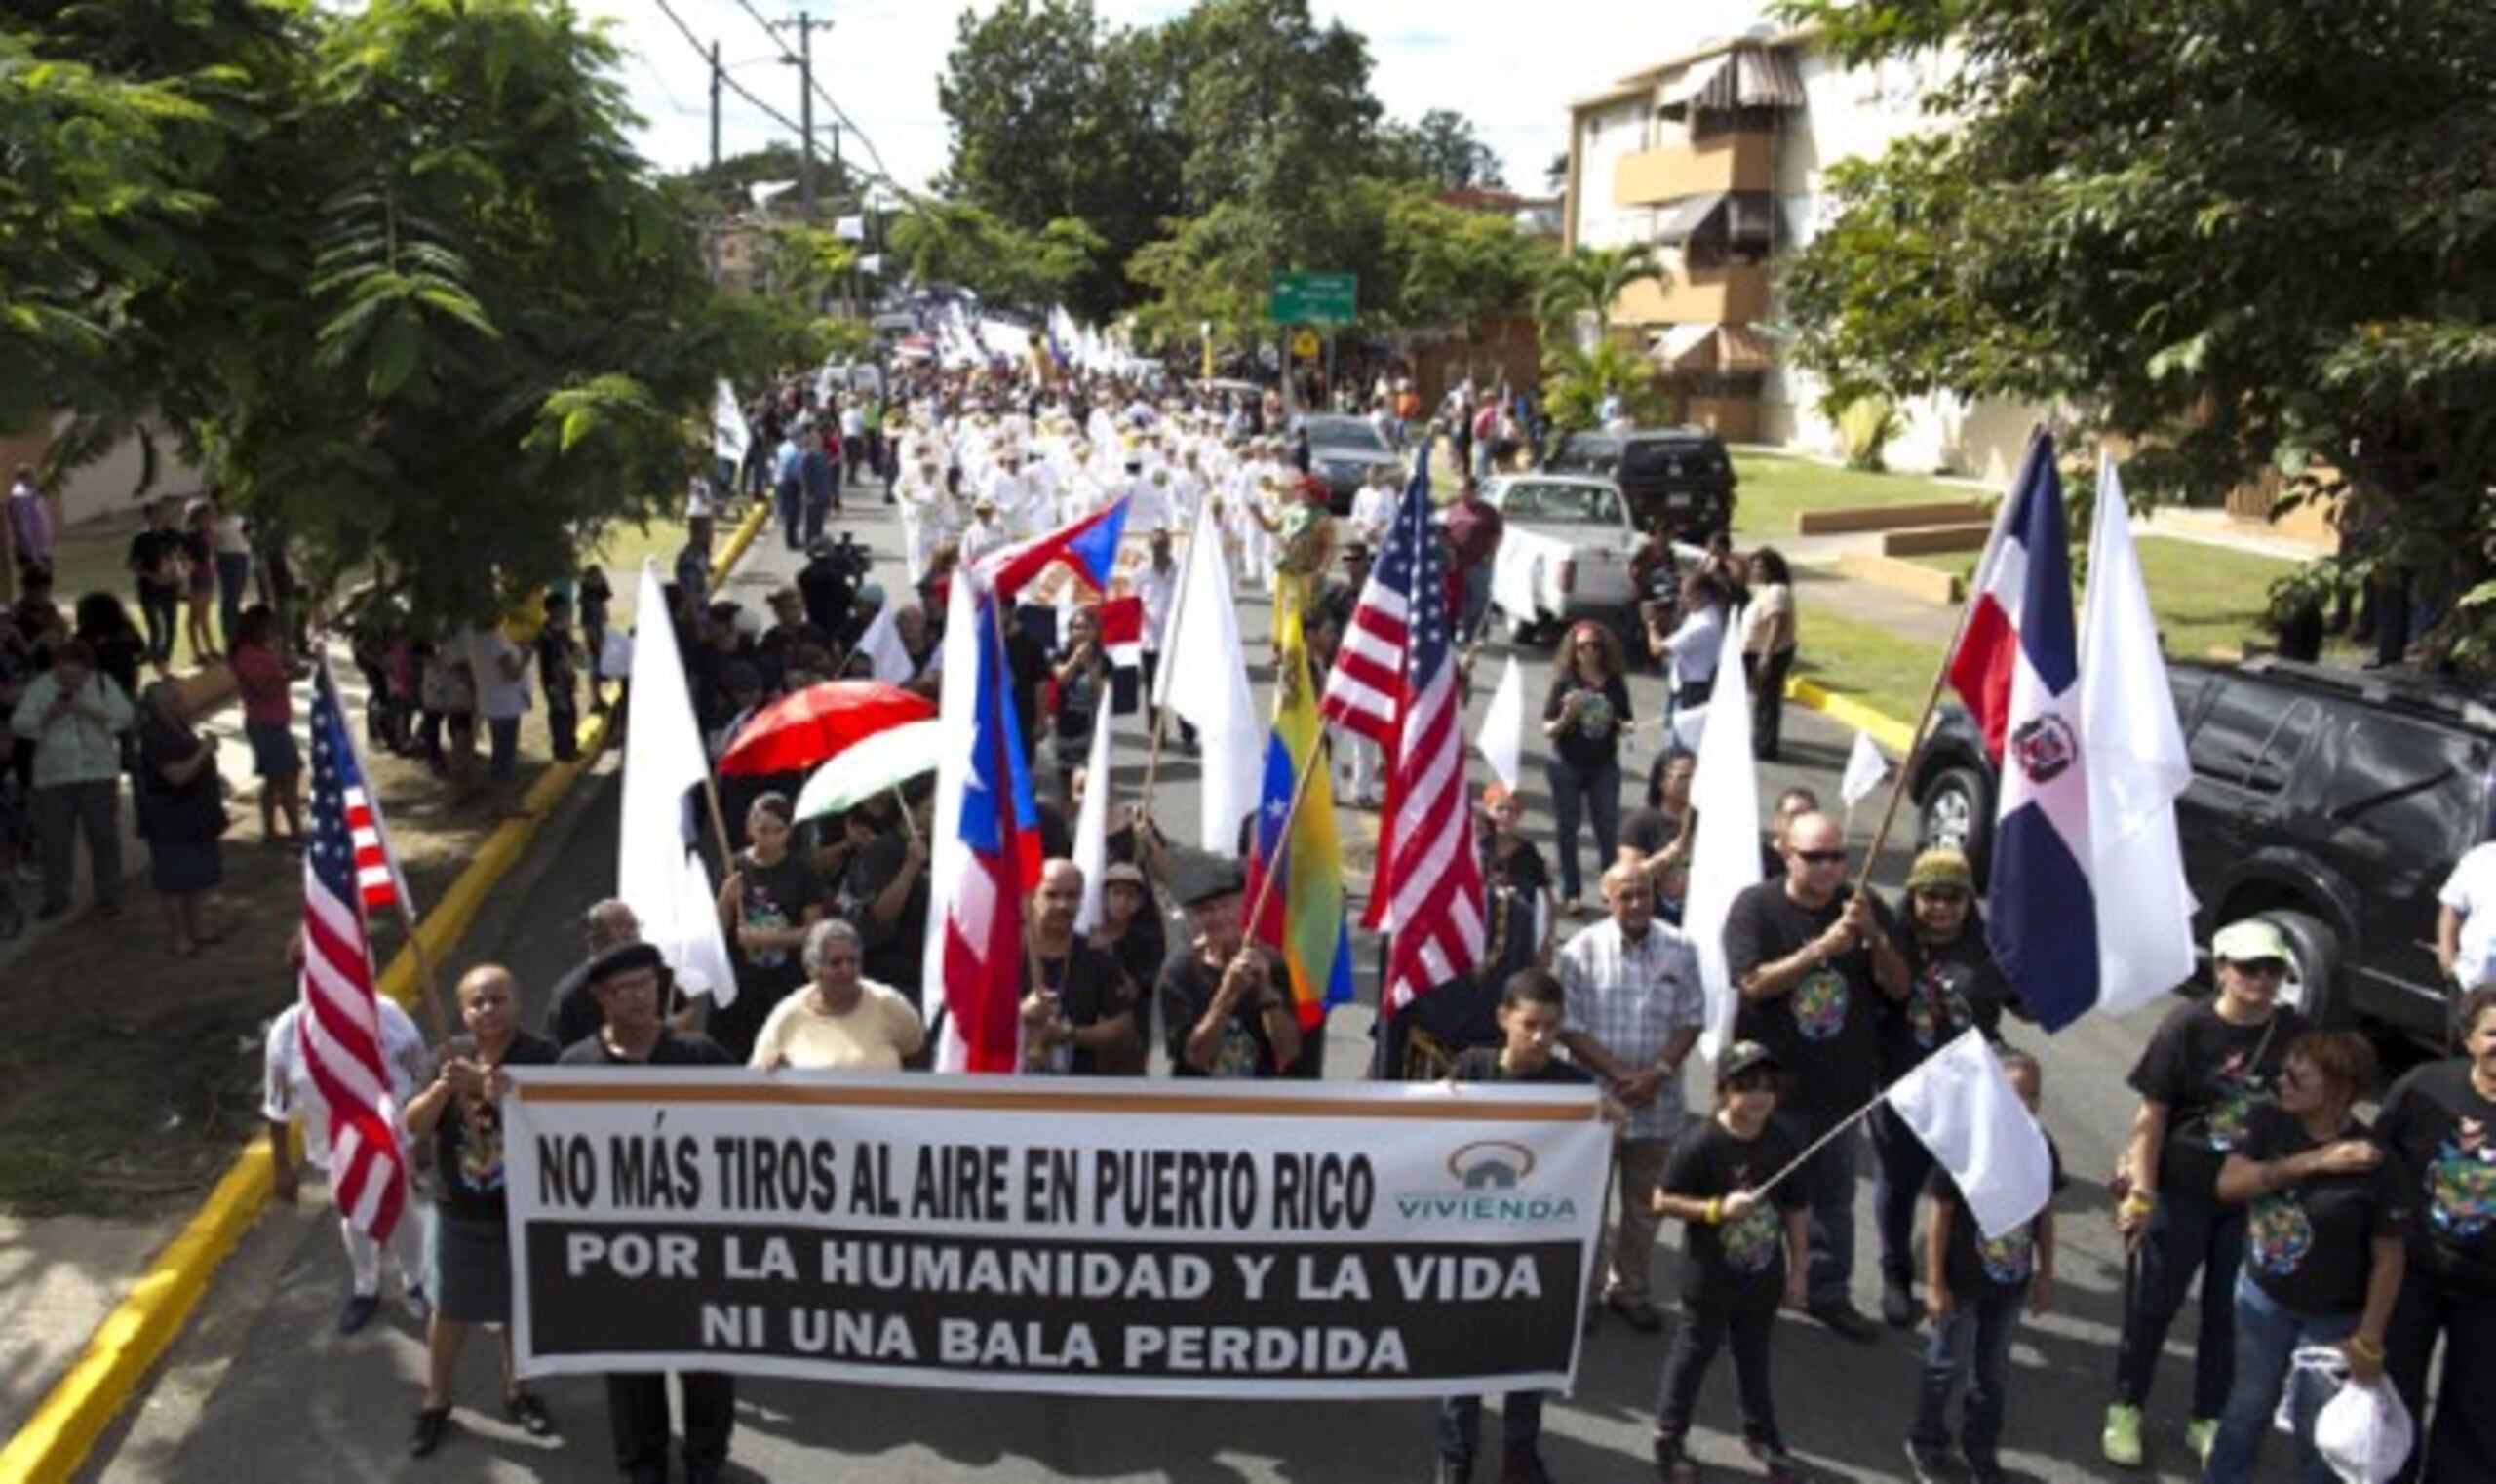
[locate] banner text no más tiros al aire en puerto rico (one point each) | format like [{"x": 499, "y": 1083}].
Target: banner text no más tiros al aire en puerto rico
[{"x": 1173, "y": 1238}]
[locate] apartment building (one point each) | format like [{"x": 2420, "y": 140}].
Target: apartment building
[{"x": 1720, "y": 156}]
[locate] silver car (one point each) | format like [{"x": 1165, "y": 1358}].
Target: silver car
[{"x": 1574, "y": 554}]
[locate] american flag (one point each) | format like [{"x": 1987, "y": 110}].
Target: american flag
[
  {"x": 998, "y": 830},
  {"x": 376, "y": 869},
  {"x": 1395, "y": 682},
  {"x": 341, "y": 1022}
]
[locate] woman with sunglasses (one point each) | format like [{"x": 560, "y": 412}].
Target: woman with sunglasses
[
  {"x": 2203, "y": 1071},
  {"x": 1953, "y": 984},
  {"x": 1584, "y": 715},
  {"x": 2327, "y": 1216}
]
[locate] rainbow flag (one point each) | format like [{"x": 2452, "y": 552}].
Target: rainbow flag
[{"x": 1302, "y": 919}]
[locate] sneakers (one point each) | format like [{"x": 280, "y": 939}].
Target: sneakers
[
  {"x": 527, "y": 1410},
  {"x": 1672, "y": 1464},
  {"x": 2199, "y": 1434},
  {"x": 358, "y": 1311},
  {"x": 2121, "y": 1443},
  {"x": 431, "y": 1425},
  {"x": 1928, "y": 1464},
  {"x": 419, "y": 1303},
  {"x": 1845, "y": 1318},
  {"x": 1897, "y": 1301},
  {"x": 1782, "y": 1468}
]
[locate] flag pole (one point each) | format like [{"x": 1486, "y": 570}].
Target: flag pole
[
  {"x": 1169, "y": 627},
  {"x": 1931, "y": 698}
]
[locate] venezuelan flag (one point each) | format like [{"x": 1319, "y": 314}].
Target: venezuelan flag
[{"x": 1302, "y": 918}]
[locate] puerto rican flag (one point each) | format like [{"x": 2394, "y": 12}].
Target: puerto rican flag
[
  {"x": 987, "y": 845},
  {"x": 1088, "y": 546},
  {"x": 2018, "y": 668}
]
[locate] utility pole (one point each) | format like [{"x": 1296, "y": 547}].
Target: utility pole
[
  {"x": 717, "y": 85},
  {"x": 805, "y": 26}
]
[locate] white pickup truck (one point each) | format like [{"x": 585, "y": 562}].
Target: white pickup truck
[{"x": 1564, "y": 554}]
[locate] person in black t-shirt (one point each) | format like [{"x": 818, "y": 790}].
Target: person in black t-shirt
[
  {"x": 1517, "y": 889},
  {"x": 1131, "y": 932},
  {"x": 1974, "y": 1287},
  {"x": 2439, "y": 1123},
  {"x": 2204, "y": 1070},
  {"x": 461, "y": 1112},
  {"x": 155, "y": 562},
  {"x": 627, "y": 981},
  {"x": 1078, "y": 1006},
  {"x": 1532, "y": 1006},
  {"x": 1745, "y": 1253},
  {"x": 1079, "y": 689},
  {"x": 1584, "y": 717},
  {"x": 766, "y": 905},
  {"x": 1813, "y": 959},
  {"x": 1953, "y": 984},
  {"x": 1224, "y": 1010},
  {"x": 2326, "y": 1226}
]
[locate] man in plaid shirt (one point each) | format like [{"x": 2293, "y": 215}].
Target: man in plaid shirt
[{"x": 1635, "y": 1007}]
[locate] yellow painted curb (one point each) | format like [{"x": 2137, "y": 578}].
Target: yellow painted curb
[
  {"x": 57, "y": 1438},
  {"x": 1887, "y": 731}
]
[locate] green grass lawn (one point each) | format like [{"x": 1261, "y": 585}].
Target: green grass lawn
[
  {"x": 1865, "y": 661},
  {"x": 2207, "y": 598},
  {"x": 1774, "y": 490}
]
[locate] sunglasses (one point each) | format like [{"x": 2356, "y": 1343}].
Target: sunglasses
[
  {"x": 2262, "y": 968},
  {"x": 1751, "y": 1081},
  {"x": 1821, "y": 857}
]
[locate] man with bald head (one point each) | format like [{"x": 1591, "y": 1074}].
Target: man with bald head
[
  {"x": 571, "y": 1012},
  {"x": 1078, "y": 1006},
  {"x": 461, "y": 1112},
  {"x": 1813, "y": 956}
]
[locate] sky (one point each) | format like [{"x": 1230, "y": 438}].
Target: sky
[{"x": 1511, "y": 69}]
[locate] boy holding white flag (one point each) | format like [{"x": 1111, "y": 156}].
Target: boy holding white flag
[{"x": 1982, "y": 1265}]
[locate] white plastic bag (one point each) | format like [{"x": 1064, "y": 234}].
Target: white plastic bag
[{"x": 2364, "y": 1431}]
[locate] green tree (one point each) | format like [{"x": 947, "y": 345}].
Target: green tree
[
  {"x": 1576, "y": 383},
  {"x": 431, "y": 314},
  {"x": 1589, "y": 281},
  {"x": 1459, "y": 267},
  {"x": 967, "y": 244},
  {"x": 2252, "y": 237},
  {"x": 1443, "y": 150}
]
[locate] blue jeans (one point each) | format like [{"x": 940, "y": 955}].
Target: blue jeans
[
  {"x": 1461, "y": 1423},
  {"x": 790, "y": 503},
  {"x": 1477, "y": 602},
  {"x": 1828, "y": 1184},
  {"x": 503, "y": 737},
  {"x": 2268, "y": 1334},
  {"x": 1900, "y": 1167},
  {"x": 2188, "y": 1237},
  {"x": 1974, "y": 1342},
  {"x": 1573, "y": 795}
]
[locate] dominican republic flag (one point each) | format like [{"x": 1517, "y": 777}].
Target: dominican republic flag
[
  {"x": 2018, "y": 668},
  {"x": 1088, "y": 546},
  {"x": 1123, "y": 641}
]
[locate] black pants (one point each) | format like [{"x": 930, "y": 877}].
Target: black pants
[
  {"x": 1705, "y": 1323},
  {"x": 1767, "y": 678},
  {"x": 2460, "y": 1444},
  {"x": 636, "y": 1412},
  {"x": 1152, "y": 712},
  {"x": 160, "y": 607}
]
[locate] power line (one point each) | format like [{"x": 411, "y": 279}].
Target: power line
[
  {"x": 732, "y": 84},
  {"x": 884, "y": 172}
]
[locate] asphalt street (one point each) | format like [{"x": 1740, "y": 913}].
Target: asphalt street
[{"x": 263, "y": 1389}]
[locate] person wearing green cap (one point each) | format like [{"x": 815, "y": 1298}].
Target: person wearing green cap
[
  {"x": 1953, "y": 984},
  {"x": 2199, "y": 1078}
]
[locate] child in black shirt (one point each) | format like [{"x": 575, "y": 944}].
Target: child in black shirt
[
  {"x": 1531, "y": 1009},
  {"x": 1974, "y": 1288},
  {"x": 1745, "y": 1252}
]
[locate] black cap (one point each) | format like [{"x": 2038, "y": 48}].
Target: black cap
[
  {"x": 624, "y": 959},
  {"x": 1745, "y": 1056},
  {"x": 1209, "y": 879}
]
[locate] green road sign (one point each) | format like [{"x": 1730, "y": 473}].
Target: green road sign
[{"x": 1316, "y": 298}]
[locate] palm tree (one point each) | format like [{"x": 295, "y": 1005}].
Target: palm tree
[{"x": 1591, "y": 280}]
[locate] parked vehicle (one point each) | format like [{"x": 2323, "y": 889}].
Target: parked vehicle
[
  {"x": 2332, "y": 801},
  {"x": 1342, "y": 452},
  {"x": 1679, "y": 477},
  {"x": 1566, "y": 552}
]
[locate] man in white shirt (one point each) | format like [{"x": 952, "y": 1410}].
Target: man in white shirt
[
  {"x": 2466, "y": 921},
  {"x": 501, "y": 670},
  {"x": 288, "y": 1094}
]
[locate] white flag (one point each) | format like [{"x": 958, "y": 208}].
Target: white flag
[
  {"x": 1865, "y": 767},
  {"x": 1962, "y": 1107},
  {"x": 2137, "y": 766},
  {"x": 1207, "y": 682},
  {"x": 873, "y": 262},
  {"x": 849, "y": 228},
  {"x": 1503, "y": 735},
  {"x": 886, "y": 655},
  {"x": 729, "y": 437},
  {"x": 655, "y": 870},
  {"x": 1092, "y": 820},
  {"x": 1725, "y": 857}
]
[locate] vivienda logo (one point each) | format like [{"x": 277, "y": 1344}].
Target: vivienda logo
[{"x": 1490, "y": 1176}]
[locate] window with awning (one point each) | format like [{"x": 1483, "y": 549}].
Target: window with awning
[{"x": 1718, "y": 219}]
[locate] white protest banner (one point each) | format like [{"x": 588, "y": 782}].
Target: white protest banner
[{"x": 1225, "y": 1239}]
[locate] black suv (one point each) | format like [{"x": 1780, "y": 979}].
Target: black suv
[
  {"x": 2332, "y": 801},
  {"x": 1679, "y": 477}
]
